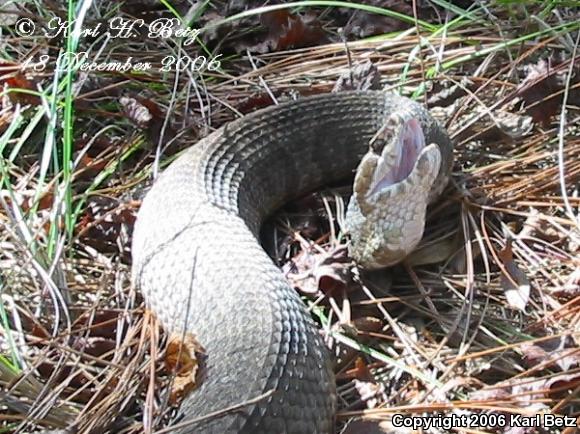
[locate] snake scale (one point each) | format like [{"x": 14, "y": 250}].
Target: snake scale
[{"x": 199, "y": 263}]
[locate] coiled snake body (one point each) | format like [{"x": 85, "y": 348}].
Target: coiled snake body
[{"x": 200, "y": 266}]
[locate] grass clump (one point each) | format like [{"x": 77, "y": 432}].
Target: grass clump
[{"x": 483, "y": 319}]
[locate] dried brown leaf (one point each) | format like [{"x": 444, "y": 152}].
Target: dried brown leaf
[
  {"x": 326, "y": 272},
  {"x": 552, "y": 353},
  {"x": 44, "y": 202},
  {"x": 363, "y": 76},
  {"x": 361, "y": 370},
  {"x": 105, "y": 223},
  {"x": 368, "y": 324},
  {"x": 562, "y": 385},
  {"x": 287, "y": 30},
  {"x": 12, "y": 76},
  {"x": 540, "y": 89},
  {"x": 533, "y": 354},
  {"x": 278, "y": 30},
  {"x": 362, "y": 24},
  {"x": 516, "y": 284},
  {"x": 183, "y": 357},
  {"x": 102, "y": 323},
  {"x": 334, "y": 271}
]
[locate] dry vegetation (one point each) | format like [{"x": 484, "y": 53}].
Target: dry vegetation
[{"x": 484, "y": 318}]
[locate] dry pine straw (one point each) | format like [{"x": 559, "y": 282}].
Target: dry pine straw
[{"x": 503, "y": 226}]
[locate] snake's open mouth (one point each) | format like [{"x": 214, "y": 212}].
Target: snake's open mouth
[{"x": 399, "y": 156}]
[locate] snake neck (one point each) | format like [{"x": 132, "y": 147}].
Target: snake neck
[{"x": 258, "y": 163}]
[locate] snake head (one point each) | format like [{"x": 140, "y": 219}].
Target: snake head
[{"x": 386, "y": 214}]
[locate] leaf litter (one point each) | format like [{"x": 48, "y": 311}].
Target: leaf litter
[{"x": 436, "y": 333}]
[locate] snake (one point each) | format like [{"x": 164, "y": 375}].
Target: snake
[{"x": 198, "y": 261}]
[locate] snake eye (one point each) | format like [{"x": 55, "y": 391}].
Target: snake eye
[
  {"x": 377, "y": 145},
  {"x": 394, "y": 122}
]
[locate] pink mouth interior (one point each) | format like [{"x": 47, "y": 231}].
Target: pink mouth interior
[{"x": 412, "y": 141}]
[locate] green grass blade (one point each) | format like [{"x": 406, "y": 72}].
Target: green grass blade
[{"x": 328, "y": 3}]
